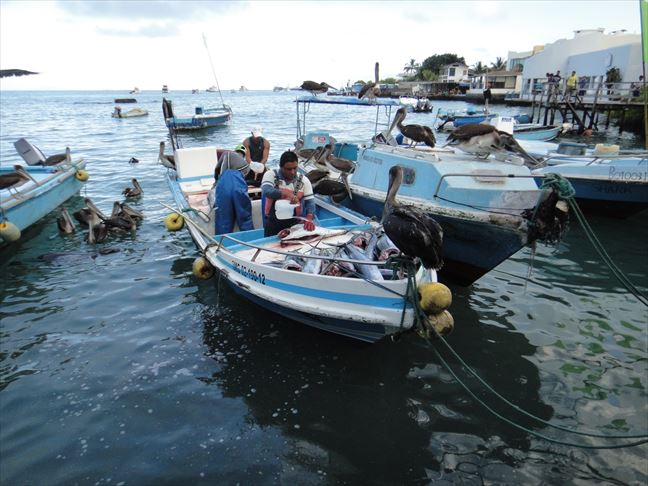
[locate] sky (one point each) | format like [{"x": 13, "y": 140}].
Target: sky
[{"x": 116, "y": 45}]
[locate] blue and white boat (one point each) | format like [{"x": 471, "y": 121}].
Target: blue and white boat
[
  {"x": 606, "y": 180},
  {"x": 201, "y": 119},
  {"x": 486, "y": 207},
  {"x": 526, "y": 131},
  {"x": 278, "y": 273},
  {"x": 30, "y": 192},
  {"x": 452, "y": 120}
]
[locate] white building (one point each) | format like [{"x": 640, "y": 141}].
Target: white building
[
  {"x": 454, "y": 73},
  {"x": 590, "y": 53}
]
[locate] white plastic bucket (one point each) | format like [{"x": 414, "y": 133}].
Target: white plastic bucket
[
  {"x": 284, "y": 210},
  {"x": 257, "y": 167}
]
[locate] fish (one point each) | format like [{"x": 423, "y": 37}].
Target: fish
[
  {"x": 370, "y": 272},
  {"x": 297, "y": 233},
  {"x": 292, "y": 263},
  {"x": 313, "y": 265},
  {"x": 386, "y": 248}
]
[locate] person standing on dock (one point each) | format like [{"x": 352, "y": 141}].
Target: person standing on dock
[
  {"x": 570, "y": 89},
  {"x": 258, "y": 150}
]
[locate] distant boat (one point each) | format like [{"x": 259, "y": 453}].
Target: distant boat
[
  {"x": 195, "y": 91},
  {"x": 212, "y": 89},
  {"x": 28, "y": 193},
  {"x": 278, "y": 88},
  {"x": 135, "y": 90},
  {"x": 165, "y": 89},
  {"x": 243, "y": 88},
  {"x": 128, "y": 114},
  {"x": 526, "y": 131},
  {"x": 125, "y": 100},
  {"x": 202, "y": 118}
]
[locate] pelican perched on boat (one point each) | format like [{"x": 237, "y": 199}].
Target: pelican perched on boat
[
  {"x": 336, "y": 163},
  {"x": 416, "y": 133},
  {"x": 16, "y": 178},
  {"x": 315, "y": 87},
  {"x": 482, "y": 139},
  {"x": 412, "y": 230},
  {"x": 135, "y": 191},
  {"x": 167, "y": 161},
  {"x": 370, "y": 90}
]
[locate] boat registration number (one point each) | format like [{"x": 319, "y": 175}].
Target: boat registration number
[{"x": 249, "y": 273}]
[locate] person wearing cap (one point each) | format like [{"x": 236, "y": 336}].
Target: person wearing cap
[
  {"x": 258, "y": 150},
  {"x": 286, "y": 184},
  {"x": 232, "y": 203}
]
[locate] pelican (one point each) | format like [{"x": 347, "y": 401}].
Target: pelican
[
  {"x": 133, "y": 213},
  {"x": 412, "y": 230},
  {"x": 92, "y": 207},
  {"x": 328, "y": 187},
  {"x": 119, "y": 218},
  {"x": 370, "y": 91},
  {"x": 316, "y": 175},
  {"x": 167, "y": 161},
  {"x": 16, "y": 178},
  {"x": 336, "y": 163},
  {"x": 416, "y": 133},
  {"x": 135, "y": 191},
  {"x": 315, "y": 87},
  {"x": 64, "y": 222},
  {"x": 475, "y": 138}
]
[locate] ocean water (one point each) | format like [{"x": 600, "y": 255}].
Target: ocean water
[{"x": 120, "y": 368}]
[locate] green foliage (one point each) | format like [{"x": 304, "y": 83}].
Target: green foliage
[
  {"x": 436, "y": 62},
  {"x": 389, "y": 81},
  {"x": 613, "y": 75},
  {"x": 412, "y": 67},
  {"x": 499, "y": 64},
  {"x": 479, "y": 68},
  {"x": 427, "y": 75}
]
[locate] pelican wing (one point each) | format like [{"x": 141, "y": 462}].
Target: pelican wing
[{"x": 469, "y": 130}]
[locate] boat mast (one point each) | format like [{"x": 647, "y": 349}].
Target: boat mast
[{"x": 212, "y": 68}]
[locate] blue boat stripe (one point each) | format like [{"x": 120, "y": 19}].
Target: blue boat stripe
[
  {"x": 195, "y": 178},
  {"x": 383, "y": 302}
]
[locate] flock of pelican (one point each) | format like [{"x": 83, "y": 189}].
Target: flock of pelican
[{"x": 122, "y": 218}]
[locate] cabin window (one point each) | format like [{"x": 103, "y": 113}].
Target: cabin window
[
  {"x": 451, "y": 72},
  {"x": 409, "y": 176}
]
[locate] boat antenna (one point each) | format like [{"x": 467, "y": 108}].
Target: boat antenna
[{"x": 212, "y": 68}]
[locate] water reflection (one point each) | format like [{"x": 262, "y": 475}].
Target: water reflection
[{"x": 387, "y": 411}]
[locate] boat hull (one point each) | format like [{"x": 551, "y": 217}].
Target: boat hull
[
  {"x": 198, "y": 122},
  {"x": 536, "y": 133},
  {"x": 37, "y": 201}
]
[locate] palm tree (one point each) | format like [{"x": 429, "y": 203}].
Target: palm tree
[
  {"x": 479, "y": 67},
  {"x": 499, "y": 64},
  {"x": 413, "y": 66}
]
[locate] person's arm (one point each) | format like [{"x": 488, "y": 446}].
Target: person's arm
[
  {"x": 266, "y": 151},
  {"x": 268, "y": 188},
  {"x": 246, "y": 144}
]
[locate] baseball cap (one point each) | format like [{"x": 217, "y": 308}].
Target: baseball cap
[
  {"x": 257, "y": 132},
  {"x": 240, "y": 148}
]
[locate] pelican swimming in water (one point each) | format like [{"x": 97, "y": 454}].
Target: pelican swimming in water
[
  {"x": 416, "y": 133},
  {"x": 412, "y": 230},
  {"x": 135, "y": 191},
  {"x": 315, "y": 87},
  {"x": 167, "y": 161},
  {"x": 370, "y": 90},
  {"x": 64, "y": 222}
]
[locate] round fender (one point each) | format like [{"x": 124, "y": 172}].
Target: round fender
[
  {"x": 434, "y": 297},
  {"x": 174, "y": 222},
  {"x": 82, "y": 175},
  {"x": 9, "y": 231},
  {"x": 202, "y": 269}
]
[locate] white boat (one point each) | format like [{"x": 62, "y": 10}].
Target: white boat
[
  {"x": 212, "y": 89},
  {"x": 165, "y": 88},
  {"x": 265, "y": 270},
  {"x": 135, "y": 112},
  {"x": 30, "y": 192}
]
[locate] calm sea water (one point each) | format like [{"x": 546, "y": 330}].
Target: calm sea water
[{"x": 122, "y": 369}]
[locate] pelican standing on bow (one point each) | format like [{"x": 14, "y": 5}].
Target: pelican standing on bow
[
  {"x": 416, "y": 133},
  {"x": 412, "y": 230}
]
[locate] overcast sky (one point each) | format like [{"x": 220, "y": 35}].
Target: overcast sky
[{"x": 118, "y": 45}]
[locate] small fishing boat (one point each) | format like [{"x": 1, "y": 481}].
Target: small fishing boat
[
  {"x": 202, "y": 118},
  {"x": 606, "y": 179},
  {"x": 135, "y": 112},
  {"x": 312, "y": 277},
  {"x": 455, "y": 119},
  {"x": 165, "y": 88},
  {"x": 526, "y": 131},
  {"x": 30, "y": 192},
  {"x": 487, "y": 207},
  {"x": 212, "y": 89}
]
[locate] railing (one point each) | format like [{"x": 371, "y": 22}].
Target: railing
[{"x": 601, "y": 93}]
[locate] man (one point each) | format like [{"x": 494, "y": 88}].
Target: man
[
  {"x": 285, "y": 183},
  {"x": 571, "y": 84},
  {"x": 258, "y": 150},
  {"x": 232, "y": 201}
]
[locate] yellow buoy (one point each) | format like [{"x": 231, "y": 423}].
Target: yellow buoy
[
  {"x": 174, "y": 222},
  {"x": 443, "y": 323},
  {"x": 82, "y": 175},
  {"x": 9, "y": 231},
  {"x": 202, "y": 269},
  {"x": 434, "y": 297}
]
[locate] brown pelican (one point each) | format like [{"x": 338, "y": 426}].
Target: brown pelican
[
  {"x": 416, "y": 133},
  {"x": 133, "y": 213},
  {"x": 64, "y": 222},
  {"x": 481, "y": 139},
  {"x": 315, "y": 88},
  {"x": 167, "y": 161},
  {"x": 16, "y": 178},
  {"x": 135, "y": 191},
  {"x": 58, "y": 158},
  {"x": 92, "y": 207},
  {"x": 336, "y": 163},
  {"x": 328, "y": 187},
  {"x": 119, "y": 218},
  {"x": 316, "y": 175},
  {"x": 412, "y": 230},
  {"x": 370, "y": 90}
]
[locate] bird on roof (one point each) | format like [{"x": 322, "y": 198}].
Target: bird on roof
[
  {"x": 416, "y": 133},
  {"x": 411, "y": 229},
  {"x": 371, "y": 90},
  {"x": 315, "y": 87},
  {"x": 167, "y": 161},
  {"x": 482, "y": 139}
]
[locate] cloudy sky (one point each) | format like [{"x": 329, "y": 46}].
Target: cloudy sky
[{"x": 118, "y": 45}]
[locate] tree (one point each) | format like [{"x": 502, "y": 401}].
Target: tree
[
  {"x": 389, "y": 81},
  {"x": 479, "y": 68},
  {"x": 499, "y": 64},
  {"x": 412, "y": 67},
  {"x": 436, "y": 62}
]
